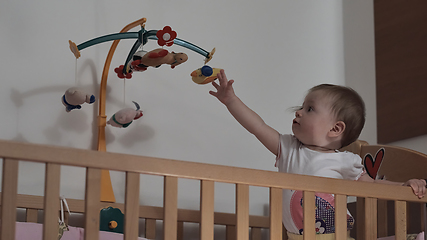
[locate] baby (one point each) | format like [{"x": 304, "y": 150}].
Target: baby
[{"x": 330, "y": 118}]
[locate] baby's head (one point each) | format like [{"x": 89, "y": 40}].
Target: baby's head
[{"x": 348, "y": 107}]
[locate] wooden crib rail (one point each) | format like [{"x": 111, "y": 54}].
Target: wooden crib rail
[
  {"x": 32, "y": 202},
  {"x": 94, "y": 161},
  {"x": 199, "y": 171}
]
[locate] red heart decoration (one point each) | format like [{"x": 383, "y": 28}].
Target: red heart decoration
[{"x": 373, "y": 165}]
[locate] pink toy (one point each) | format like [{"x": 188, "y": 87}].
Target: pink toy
[
  {"x": 74, "y": 96},
  {"x": 154, "y": 58},
  {"x": 124, "y": 117}
]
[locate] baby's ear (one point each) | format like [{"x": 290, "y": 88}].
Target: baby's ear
[{"x": 337, "y": 129}]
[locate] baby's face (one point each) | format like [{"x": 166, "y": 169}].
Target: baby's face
[{"x": 314, "y": 120}]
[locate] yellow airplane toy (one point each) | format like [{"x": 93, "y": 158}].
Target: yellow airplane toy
[{"x": 204, "y": 74}]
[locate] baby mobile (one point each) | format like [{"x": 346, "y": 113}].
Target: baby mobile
[{"x": 138, "y": 60}]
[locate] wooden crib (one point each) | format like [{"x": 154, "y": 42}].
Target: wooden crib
[{"x": 172, "y": 217}]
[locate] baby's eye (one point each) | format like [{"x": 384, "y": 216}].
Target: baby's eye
[{"x": 309, "y": 109}]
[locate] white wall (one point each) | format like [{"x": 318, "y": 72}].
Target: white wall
[
  {"x": 275, "y": 50},
  {"x": 359, "y": 59}
]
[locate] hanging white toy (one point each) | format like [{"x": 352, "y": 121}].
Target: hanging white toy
[
  {"x": 74, "y": 97},
  {"x": 124, "y": 117}
]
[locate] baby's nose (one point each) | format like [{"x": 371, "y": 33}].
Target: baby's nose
[{"x": 297, "y": 113}]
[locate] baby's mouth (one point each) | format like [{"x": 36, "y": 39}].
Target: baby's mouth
[{"x": 295, "y": 122}]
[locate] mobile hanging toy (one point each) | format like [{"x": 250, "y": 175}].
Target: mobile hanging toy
[
  {"x": 124, "y": 117},
  {"x": 164, "y": 37},
  {"x": 74, "y": 97},
  {"x": 205, "y": 74},
  {"x": 155, "y": 58},
  {"x": 138, "y": 61}
]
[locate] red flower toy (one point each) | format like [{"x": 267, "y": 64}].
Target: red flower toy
[
  {"x": 120, "y": 74},
  {"x": 166, "y": 36}
]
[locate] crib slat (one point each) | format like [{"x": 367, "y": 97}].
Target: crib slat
[
  {"x": 51, "y": 201},
  {"x": 31, "y": 215},
  {"x": 340, "y": 217},
  {"x": 92, "y": 203},
  {"x": 423, "y": 211},
  {"x": 150, "y": 228},
  {"x": 242, "y": 211},
  {"x": 400, "y": 219},
  {"x": 284, "y": 233},
  {"x": 8, "y": 198},
  {"x": 180, "y": 231},
  {"x": 170, "y": 205},
  {"x": 360, "y": 216},
  {"x": 230, "y": 231},
  {"x": 382, "y": 218},
  {"x": 275, "y": 214},
  {"x": 207, "y": 210},
  {"x": 309, "y": 213},
  {"x": 131, "y": 204},
  {"x": 370, "y": 218},
  {"x": 256, "y": 233}
]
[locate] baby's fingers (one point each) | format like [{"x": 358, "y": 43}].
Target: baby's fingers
[
  {"x": 215, "y": 85},
  {"x": 222, "y": 77},
  {"x": 419, "y": 187},
  {"x": 213, "y": 93},
  {"x": 423, "y": 190}
]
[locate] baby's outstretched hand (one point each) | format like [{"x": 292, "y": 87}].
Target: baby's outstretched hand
[
  {"x": 418, "y": 186},
  {"x": 224, "y": 90}
]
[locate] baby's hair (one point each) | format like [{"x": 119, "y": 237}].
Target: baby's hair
[{"x": 348, "y": 106}]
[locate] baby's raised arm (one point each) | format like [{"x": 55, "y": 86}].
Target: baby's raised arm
[{"x": 250, "y": 120}]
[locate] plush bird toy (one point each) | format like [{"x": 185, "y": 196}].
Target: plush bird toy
[
  {"x": 74, "y": 97},
  {"x": 204, "y": 74},
  {"x": 141, "y": 60},
  {"x": 124, "y": 117},
  {"x": 159, "y": 56}
]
